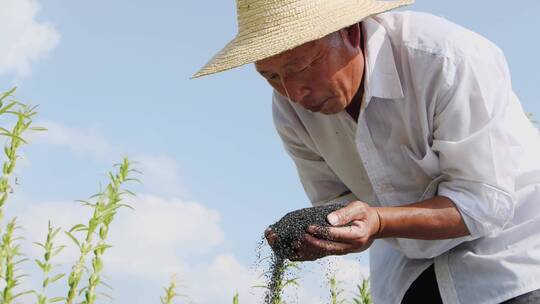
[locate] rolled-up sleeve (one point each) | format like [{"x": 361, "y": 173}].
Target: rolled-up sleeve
[
  {"x": 320, "y": 183},
  {"x": 477, "y": 152},
  {"x": 478, "y": 156}
]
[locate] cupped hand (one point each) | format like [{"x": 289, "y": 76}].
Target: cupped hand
[{"x": 354, "y": 228}]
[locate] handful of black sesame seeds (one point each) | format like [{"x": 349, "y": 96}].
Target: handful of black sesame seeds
[{"x": 289, "y": 231}]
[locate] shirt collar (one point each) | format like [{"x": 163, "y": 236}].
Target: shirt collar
[{"x": 381, "y": 75}]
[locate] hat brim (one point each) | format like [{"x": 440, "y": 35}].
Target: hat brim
[{"x": 257, "y": 45}]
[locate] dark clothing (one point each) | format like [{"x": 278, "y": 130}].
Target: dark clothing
[{"x": 424, "y": 290}]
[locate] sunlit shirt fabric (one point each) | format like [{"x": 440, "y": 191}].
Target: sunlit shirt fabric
[{"x": 439, "y": 117}]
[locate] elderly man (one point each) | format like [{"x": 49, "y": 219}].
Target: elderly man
[{"x": 412, "y": 121}]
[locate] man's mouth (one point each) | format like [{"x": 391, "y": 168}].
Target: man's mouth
[{"x": 318, "y": 107}]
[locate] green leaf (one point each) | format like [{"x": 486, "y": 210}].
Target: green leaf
[
  {"x": 129, "y": 192},
  {"x": 55, "y": 232},
  {"x": 77, "y": 228},
  {"x": 8, "y": 93},
  {"x": 13, "y": 137},
  {"x": 57, "y": 277},
  {"x": 102, "y": 246},
  {"x": 40, "y": 264},
  {"x": 21, "y": 294},
  {"x": 57, "y": 299},
  {"x": 38, "y": 129},
  {"x": 133, "y": 179},
  {"x": 57, "y": 250},
  {"x": 73, "y": 238},
  {"x": 40, "y": 245},
  {"x": 126, "y": 205},
  {"x": 105, "y": 295},
  {"x": 102, "y": 282}
]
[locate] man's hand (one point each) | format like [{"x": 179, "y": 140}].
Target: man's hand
[{"x": 354, "y": 229}]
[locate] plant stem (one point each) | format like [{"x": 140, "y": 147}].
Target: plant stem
[
  {"x": 46, "y": 266},
  {"x": 108, "y": 202},
  {"x": 363, "y": 296},
  {"x": 24, "y": 115},
  {"x": 10, "y": 254}
]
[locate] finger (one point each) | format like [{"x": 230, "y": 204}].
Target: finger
[
  {"x": 306, "y": 252},
  {"x": 344, "y": 234},
  {"x": 302, "y": 258},
  {"x": 326, "y": 247},
  {"x": 353, "y": 211},
  {"x": 271, "y": 237},
  {"x": 305, "y": 257}
]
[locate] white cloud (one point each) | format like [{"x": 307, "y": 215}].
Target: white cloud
[
  {"x": 148, "y": 242},
  {"x": 222, "y": 277},
  {"x": 349, "y": 272},
  {"x": 154, "y": 239},
  {"x": 23, "y": 40},
  {"x": 87, "y": 141},
  {"x": 160, "y": 175},
  {"x": 346, "y": 269}
]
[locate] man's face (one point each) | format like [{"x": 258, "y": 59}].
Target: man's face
[{"x": 322, "y": 75}]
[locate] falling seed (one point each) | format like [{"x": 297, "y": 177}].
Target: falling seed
[{"x": 289, "y": 231}]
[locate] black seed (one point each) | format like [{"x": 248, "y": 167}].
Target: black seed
[{"x": 290, "y": 230}]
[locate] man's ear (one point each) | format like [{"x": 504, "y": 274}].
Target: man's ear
[{"x": 351, "y": 35}]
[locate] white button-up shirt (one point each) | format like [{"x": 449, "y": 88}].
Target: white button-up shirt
[{"x": 439, "y": 117}]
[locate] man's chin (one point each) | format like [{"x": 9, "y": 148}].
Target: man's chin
[
  {"x": 331, "y": 110},
  {"x": 328, "y": 112}
]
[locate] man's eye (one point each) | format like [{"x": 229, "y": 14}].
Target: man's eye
[{"x": 274, "y": 77}]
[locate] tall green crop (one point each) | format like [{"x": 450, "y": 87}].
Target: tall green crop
[
  {"x": 280, "y": 279},
  {"x": 363, "y": 296},
  {"x": 336, "y": 291},
  {"x": 104, "y": 208},
  {"x": 12, "y": 257},
  {"x": 23, "y": 114},
  {"x": 50, "y": 250},
  {"x": 171, "y": 291}
]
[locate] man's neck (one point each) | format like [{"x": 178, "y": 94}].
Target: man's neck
[{"x": 354, "y": 107}]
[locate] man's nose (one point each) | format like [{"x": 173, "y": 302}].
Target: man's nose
[{"x": 296, "y": 90}]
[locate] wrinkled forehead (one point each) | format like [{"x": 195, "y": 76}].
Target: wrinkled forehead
[{"x": 291, "y": 57}]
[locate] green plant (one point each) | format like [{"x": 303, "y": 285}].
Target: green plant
[
  {"x": 10, "y": 255},
  {"x": 104, "y": 208},
  {"x": 24, "y": 114},
  {"x": 236, "y": 299},
  {"x": 280, "y": 280},
  {"x": 46, "y": 266},
  {"x": 363, "y": 296},
  {"x": 9, "y": 251},
  {"x": 171, "y": 291},
  {"x": 335, "y": 291}
]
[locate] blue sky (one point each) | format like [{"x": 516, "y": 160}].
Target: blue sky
[{"x": 112, "y": 79}]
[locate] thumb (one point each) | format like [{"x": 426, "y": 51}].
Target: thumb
[{"x": 346, "y": 214}]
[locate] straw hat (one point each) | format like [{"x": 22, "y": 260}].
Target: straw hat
[{"x": 270, "y": 27}]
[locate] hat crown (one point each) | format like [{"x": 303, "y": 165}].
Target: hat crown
[{"x": 254, "y": 14}]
